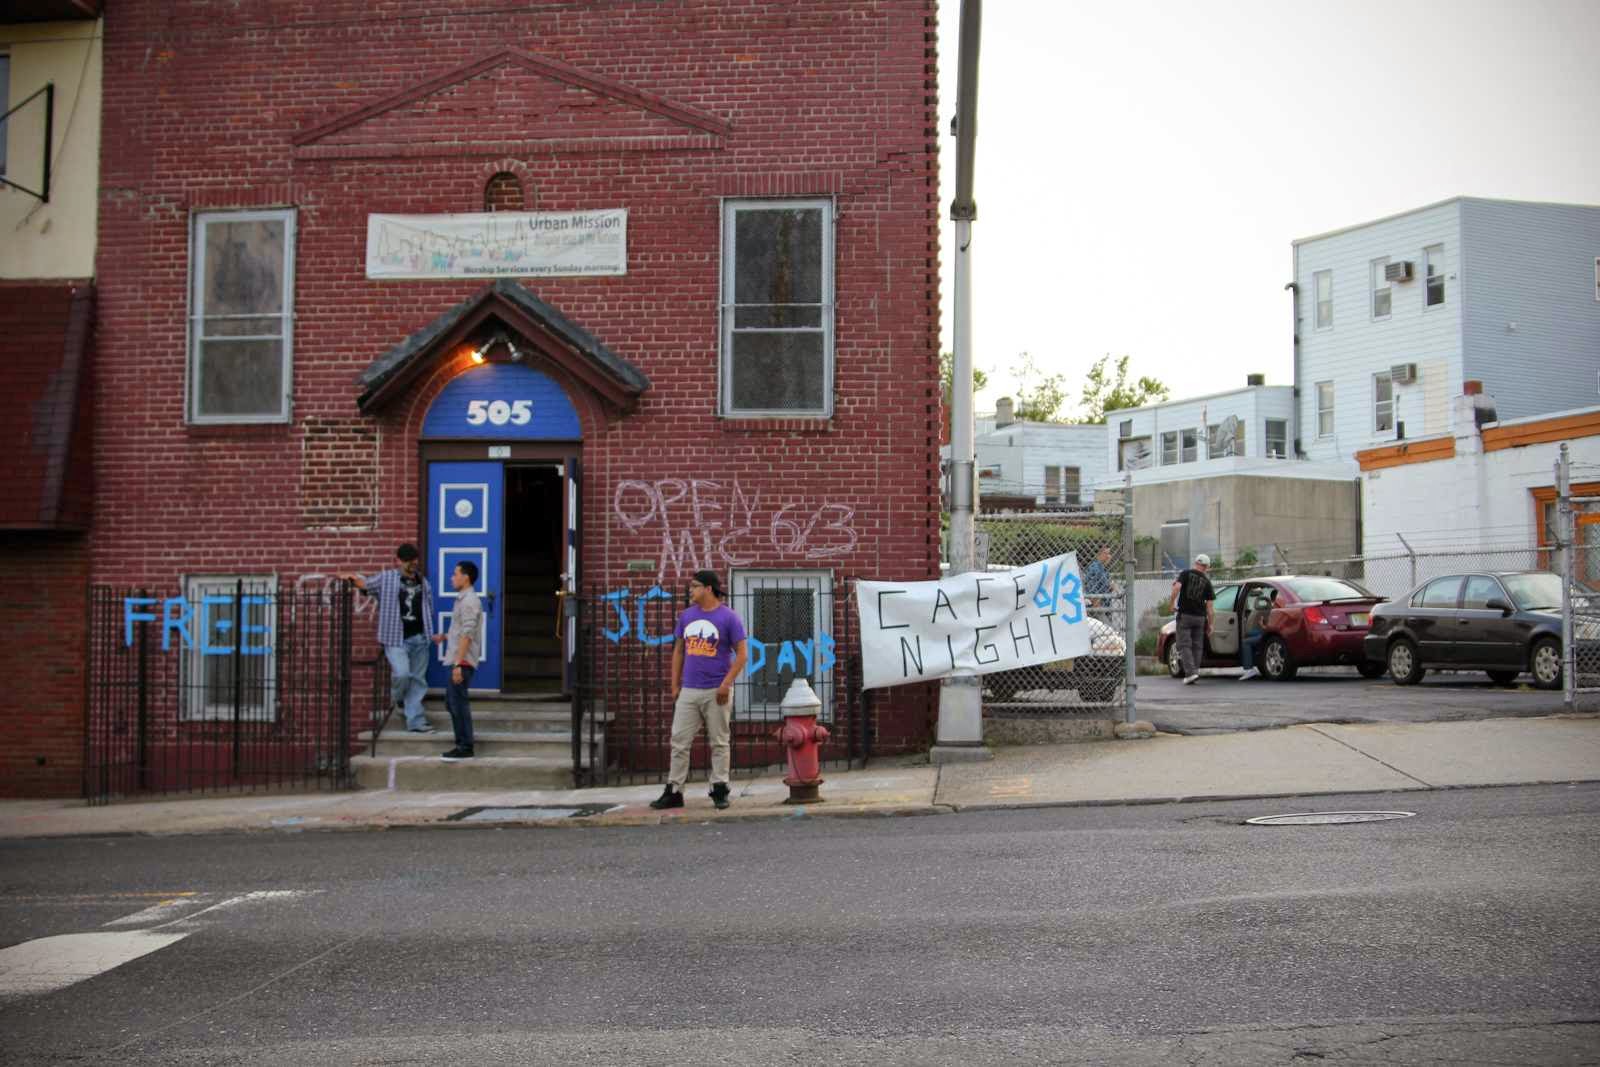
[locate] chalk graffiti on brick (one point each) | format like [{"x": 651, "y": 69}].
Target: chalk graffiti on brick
[
  {"x": 718, "y": 525},
  {"x": 817, "y": 655}
]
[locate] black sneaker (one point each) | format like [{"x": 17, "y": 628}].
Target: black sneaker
[
  {"x": 457, "y": 753},
  {"x": 669, "y": 798},
  {"x": 719, "y": 794}
]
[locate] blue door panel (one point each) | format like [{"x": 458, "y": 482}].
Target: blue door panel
[{"x": 466, "y": 522}]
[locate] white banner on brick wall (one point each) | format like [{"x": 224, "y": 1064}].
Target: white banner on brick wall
[
  {"x": 972, "y": 624},
  {"x": 498, "y": 244}
]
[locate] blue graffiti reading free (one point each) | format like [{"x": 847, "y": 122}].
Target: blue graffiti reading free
[
  {"x": 818, "y": 654},
  {"x": 177, "y": 613}
]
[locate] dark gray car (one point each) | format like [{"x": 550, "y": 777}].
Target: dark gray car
[{"x": 1502, "y": 623}]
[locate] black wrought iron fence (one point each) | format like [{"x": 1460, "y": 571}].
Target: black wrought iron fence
[
  {"x": 224, "y": 686},
  {"x": 797, "y": 626}
]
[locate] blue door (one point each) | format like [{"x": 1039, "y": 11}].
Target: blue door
[{"x": 466, "y": 521}]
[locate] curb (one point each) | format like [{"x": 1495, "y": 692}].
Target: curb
[{"x": 799, "y": 814}]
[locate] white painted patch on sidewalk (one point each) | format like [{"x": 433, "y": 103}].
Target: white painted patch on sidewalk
[{"x": 50, "y": 963}]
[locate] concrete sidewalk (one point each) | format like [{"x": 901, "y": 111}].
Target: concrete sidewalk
[{"x": 1311, "y": 760}]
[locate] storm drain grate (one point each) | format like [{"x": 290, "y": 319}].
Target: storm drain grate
[
  {"x": 532, "y": 813},
  {"x": 1324, "y": 818}
]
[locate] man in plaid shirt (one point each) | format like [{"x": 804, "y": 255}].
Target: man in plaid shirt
[{"x": 405, "y": 628}]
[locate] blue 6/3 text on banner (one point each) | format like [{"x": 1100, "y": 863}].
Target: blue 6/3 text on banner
[{"x": 971, "y": 624}]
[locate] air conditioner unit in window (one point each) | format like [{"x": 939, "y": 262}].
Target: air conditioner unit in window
[
  {"x": 1403, "y": 373},
  {"x": 1397, "y": 272}
]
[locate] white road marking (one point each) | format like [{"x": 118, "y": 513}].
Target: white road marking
[
  {"x": 50, "y": 963},
  {"x": 163, "y": 911},
  {"x": 47, "y": 964}
]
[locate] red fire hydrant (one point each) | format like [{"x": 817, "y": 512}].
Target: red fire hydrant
[{"x": 801, "y": 735}]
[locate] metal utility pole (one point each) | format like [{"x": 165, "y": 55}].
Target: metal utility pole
[{"x": 960, "y": 732}]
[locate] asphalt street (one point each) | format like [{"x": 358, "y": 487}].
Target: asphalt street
[
  {"x": 1116, "y": 935},
  {"x": 1220, "y": 703}
]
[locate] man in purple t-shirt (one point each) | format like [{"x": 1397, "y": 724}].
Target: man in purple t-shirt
[{"x": 708, "y": 655}]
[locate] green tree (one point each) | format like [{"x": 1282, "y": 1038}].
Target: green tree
[
  {"x": 1106, "y": 390},
  {"x": 1040, "y": 396},
  {"x": 947, "y": 376}
]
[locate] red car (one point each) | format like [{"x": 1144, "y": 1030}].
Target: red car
[{"x": 1314, "y": 622}]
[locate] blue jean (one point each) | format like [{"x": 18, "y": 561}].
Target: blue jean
[
  {"x": 408, "y": 678},
  {"x": 460, "y": 705},
  {"x": 1248, "y": 647}
]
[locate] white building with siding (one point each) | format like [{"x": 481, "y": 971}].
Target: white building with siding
[
  {"x": 1393, "y": 317},
  {"x": 1054, "y": 464},
  {"x": 1248, "y": 430}
]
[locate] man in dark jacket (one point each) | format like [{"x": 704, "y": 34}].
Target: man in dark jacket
[{"x": 1192, "y": 598}]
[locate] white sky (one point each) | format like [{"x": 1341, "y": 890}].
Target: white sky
[{"x": 1142, "y": 167}]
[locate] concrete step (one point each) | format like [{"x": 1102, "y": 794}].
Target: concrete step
[
  {"x": 532, "y": 666},
  {"x": 553, "y": 743},
  {"x": 481, "y": 774},
  {"x": 533, "y": 644}
]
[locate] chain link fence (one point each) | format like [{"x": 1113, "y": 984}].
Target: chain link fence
[
  {"x": 1093, "y": 684},
  {"x": 1578, "y": 562}
]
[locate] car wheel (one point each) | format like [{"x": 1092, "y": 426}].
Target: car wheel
[
  {"x": 1174, "y": 666},
  {"x": 1371, "y": 669},
  {"x": 1502, "y": 677},
  {"x": 1276, "y": 663},
  {"x": 1405, "y": 666},
  {"x": 1545, "y": 662}
]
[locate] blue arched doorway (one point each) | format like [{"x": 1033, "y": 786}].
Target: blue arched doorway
[{"x": 501, "y": 445}]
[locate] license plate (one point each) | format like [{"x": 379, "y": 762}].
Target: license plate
[{"x": 1359, "y": 619}]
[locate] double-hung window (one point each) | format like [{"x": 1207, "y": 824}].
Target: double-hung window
[
  {"x": 1191, "y": 445},
  {"x": 1382, "y": 402},
  {"x": 1381, "y": 302},
  {"x": 1169, "y": 448},
  {"x": 1061, "y": 485},
  {"x": 229, "y": 666},
  {"x": 1277, "y": 438},
  {"x": 1052, "y": 485},
  {"x": 1324, "y": 409},
  {"x": 777, "y": 308},
  {"x": 1433, "y": 272},
  {"x": 787, "y": 622},
  {"x": 241, "y": 316},
  {"x": 1322, "y": 281}
]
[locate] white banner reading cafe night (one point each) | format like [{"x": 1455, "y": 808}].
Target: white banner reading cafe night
[{"x": 972, "y": 623}]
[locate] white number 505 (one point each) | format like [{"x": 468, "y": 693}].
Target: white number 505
[{"x": 499, "y": 412}]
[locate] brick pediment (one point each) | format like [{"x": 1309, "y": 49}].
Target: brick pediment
[{"x": 512, "y": 102}]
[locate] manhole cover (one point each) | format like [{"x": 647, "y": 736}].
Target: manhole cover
[
  {"x": 1323, "y": 818},
  {"x": 532, "y": 812}
]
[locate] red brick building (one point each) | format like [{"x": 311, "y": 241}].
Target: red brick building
[{"x": 595, "y": 294}]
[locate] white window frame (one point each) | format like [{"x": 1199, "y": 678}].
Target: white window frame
[
  {"x": 1318, "y": 301},
  {"x": 1267, "y": 436},
  {"x": 1381, "y": 407},
  {"x": 729, "y": 270},
  {"x": 1380, "y": 285},
  {"x": 1169, "y": 437},
  {"x": 197, "y": 266},
  {"x": 743, "y": 583},
  {"x": 1072, "y": 486},
  {"x": 1189, "y": 445},
  {"x": 1432, "y": 268},
  {"x": 197, "y": 586},
  {"x": 1321, "y": 411},
  {"x": 1052, "y": 474}
]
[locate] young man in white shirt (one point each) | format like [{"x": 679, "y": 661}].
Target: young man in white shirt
[{"x": 462, "y": 655}]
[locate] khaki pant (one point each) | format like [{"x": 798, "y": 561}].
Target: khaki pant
[{"x": 694, "y": 707}]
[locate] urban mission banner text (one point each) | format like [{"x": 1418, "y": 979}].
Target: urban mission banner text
[
  {"x": 514, "y": 244},
  {"x": 972, "y": 623}
]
